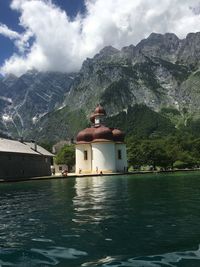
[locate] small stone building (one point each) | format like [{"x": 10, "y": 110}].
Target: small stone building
[
  {"x": 100, "y": 148},
  {"x": 59, "y": 168},
  {"x": 23, "y": 160}
]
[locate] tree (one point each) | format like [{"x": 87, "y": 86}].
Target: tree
[
  {"x": 66, "y": 156},
  {"x": 154, "y": 153},
  {"x": 173, "y": 149},
  {"x": 181, "y": 150},
  {"x": 135, "y": 157},
  {"x": 195, "y": 145}
]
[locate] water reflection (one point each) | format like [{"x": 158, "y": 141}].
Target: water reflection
[{"x": 93, "y": 202}]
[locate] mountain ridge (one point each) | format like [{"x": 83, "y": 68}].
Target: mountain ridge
[{"x": 161, "y": 71}]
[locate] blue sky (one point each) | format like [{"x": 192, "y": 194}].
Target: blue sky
[
  {"x": 58, "y": 35},
  {"x": 11, "y": 19}
]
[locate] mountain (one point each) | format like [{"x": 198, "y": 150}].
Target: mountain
[
  {"x": 24, "y": 100},
  {"x": 157, "y": 72},
  {"x": 158, "y": 81}
]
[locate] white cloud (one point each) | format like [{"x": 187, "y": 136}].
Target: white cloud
[
  {"x": 5, "y": 31},
  {"x": 61, "y": 44}
]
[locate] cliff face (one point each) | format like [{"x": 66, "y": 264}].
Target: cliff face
[
  {"x": 24, "y": 100},
  {"x": 161, "y": 71}
]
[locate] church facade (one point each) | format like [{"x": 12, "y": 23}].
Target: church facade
[{"x": 100, "y": 149}]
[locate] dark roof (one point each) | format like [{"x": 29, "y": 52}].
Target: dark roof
[{"x": 100, "y": 133}]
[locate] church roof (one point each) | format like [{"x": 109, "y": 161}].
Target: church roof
[{"x": 99, "y": 132}]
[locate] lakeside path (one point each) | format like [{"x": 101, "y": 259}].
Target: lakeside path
[{"x": 74, "y": 175}]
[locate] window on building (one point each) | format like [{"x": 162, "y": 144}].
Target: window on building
[
  {"x": 119, "y": 153},
  {"x": 60, "y": 168},
  {"x": 85, "y": 155}
]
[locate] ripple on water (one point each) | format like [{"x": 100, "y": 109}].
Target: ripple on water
[
  {"x": 164, "y": 260},
  {"x": 60, "y": 252},
  {"x": 38, "y": 257},
  {"x": 19, "y": 258},
  {"x": 4, "y": 263},
  {"x": 70, "y": 235},
  {"x": 42, "y": 240}
]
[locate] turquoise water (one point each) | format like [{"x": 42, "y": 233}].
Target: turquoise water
[{"x": 143, "y": 220}]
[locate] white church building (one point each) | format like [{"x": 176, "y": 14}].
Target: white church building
[{"x": 100, "y": 149}]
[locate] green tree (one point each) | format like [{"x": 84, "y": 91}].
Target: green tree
[
  {"x": 135, "y": 157},
  {"x": 181, "y": 150},
  {"x": 195, "y": 145},
  {"x": 155, "y": 154},
  {"x": 173, "y": 149},
  {"x": 66, "y": 156}
]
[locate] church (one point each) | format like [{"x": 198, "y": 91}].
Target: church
[{"x": 100, "y": 149}]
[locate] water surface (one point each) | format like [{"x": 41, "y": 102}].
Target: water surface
[{"x": 140, "y": 220}]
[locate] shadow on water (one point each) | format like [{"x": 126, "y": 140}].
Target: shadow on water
[{"x": 149, "y": 220}]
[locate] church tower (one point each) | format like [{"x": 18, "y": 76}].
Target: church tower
[{"x": 100, "y": 149}]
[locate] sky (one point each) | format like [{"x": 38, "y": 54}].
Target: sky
[{"x": 58, "y": 35}]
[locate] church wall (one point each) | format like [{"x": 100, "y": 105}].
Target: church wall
[
  {"x": 82, "y": 163},
  {"x": 121, "y": 157},
  {"x": 103, "y": 157}
]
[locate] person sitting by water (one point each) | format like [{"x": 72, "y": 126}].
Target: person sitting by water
[{"x": 64, "y": 173}]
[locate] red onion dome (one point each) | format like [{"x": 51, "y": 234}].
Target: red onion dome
[
  {"x": 99, "y": 110},
  {"x": 92, "y": 117},
  {"x": 85, "y": 135},
  {"x": 103, "y": 133},
  {"x": 118, "y": 135}
]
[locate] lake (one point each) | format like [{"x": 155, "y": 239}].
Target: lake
[{"x": 132, "y": 220}]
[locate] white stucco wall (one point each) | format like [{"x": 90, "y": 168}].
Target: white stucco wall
[
  {"x": 81, "y": 163},
  {"x": 60, "y": 167},
  {"x": 103, "y": 157},
  {"x": 121, "y": 163}
]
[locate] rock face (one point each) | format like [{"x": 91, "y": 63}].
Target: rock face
[
  {"x": 157, "y": 72},
  {"x": 24, "y": 100},
  {"x": 161, "y": 71}
]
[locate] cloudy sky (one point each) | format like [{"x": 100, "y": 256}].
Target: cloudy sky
[{"x": 57, "y": 35}]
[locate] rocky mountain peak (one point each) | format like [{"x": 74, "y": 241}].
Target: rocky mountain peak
[
  {"x": 107, "y": 51},
  {"x": 128, "y": 49},
  {"x": 189, "y": 51},
  {"x": 157, "y": 45}
]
